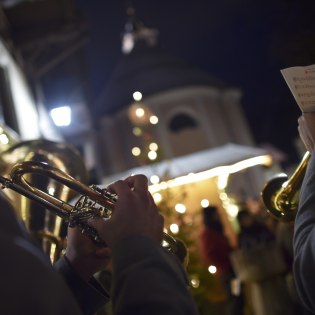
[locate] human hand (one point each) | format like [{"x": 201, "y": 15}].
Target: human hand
[
  {"x": 306, "y": 128},
  {"x": 84, "y": 255},
  {"x": 135, "y": 213}
]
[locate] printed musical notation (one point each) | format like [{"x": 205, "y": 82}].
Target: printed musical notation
[{"x": 301, "y": 81}]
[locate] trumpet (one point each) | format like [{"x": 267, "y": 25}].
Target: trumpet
[
  {"x": 281, "y": 194},
  {"x": 93, "y": 201}
]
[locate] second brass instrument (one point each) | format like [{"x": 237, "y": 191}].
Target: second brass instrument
[
  {"x": 281, "y": 194},
  {"x": 94, "y": 202}
]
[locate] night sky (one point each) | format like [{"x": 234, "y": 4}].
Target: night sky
[{"x": 244, "y": 43}]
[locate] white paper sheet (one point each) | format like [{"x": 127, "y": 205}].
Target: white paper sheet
[{"x": 301, "y": 81}]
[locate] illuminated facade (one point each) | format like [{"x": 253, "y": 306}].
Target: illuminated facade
[{"x": 156, "y": 98}]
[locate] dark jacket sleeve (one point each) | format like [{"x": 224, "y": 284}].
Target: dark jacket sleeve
[
  {"x": 147, "y": 279},
  {"x": 304, "y": 240},
  {"x": 90, "y": 295}
]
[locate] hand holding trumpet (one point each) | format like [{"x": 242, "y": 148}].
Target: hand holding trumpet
[{"x": 135, "y": 213}]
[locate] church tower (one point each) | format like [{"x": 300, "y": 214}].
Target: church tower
[{"x": 154, "y": 97}]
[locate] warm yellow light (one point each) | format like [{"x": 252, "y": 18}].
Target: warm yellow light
[
  {"x": 163, "y": 185},
  {"x": 204, "y": 203},
  {"x": 51, "y": 190},
  {"x": 154, "y": 120},
  {"x": 222, "y": 181},
  {"x": 137, "y": 131},
  {"x": 223, "y": 196},
  {"x": 154, "y": 179},
  {"x": 153, "y": 146},
  {"x": 212, "y": 269},
  {"x": 4, "y": 139},
  {"x": 152, "y": 155},
  {"x": 157, "y": 197},
  {"x": 139, "y": 112},
  {"x": 136, "y": 151},
  {"x": 217, "y": 171},
  {"x": 195, "y": 282},
  {"x": 52, "y": 252},
  {"x": 232, "y": 210},
  {"x": 174, "y": 228},
  {"x": 137, "y": 96},
  {"x": 180, "y": 208}
]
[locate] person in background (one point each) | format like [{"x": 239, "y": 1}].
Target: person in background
[
  {"x": 261, "y": 266},
  {"x": 252, "y": 231},
  {"x": 216, "y": 250},
  {"x": 304, "y": 231}
]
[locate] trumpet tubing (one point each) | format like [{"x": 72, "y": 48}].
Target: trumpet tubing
[
  {"x": 93, "y": 201},
  {"x": 44, "y": 225}
]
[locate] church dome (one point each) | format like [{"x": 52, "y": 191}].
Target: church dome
[{"x": 146, "y": 68}]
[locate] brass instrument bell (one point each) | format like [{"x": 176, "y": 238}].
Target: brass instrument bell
[
  {"x": 280, "y": 195},
  {"x": 47, "y": 228}
]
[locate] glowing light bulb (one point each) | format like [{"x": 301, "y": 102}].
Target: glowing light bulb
[
  {"x": 212, "y": 269},
  {"x": 61, "y": 116},
  {"x": 204, "y": 203},
  {"x": 136, "y": 151},
  {"x": 154, "y": 179},
  {"x": 137, "y": 96},
  {"x": 153, "y": 120},
  {"x": 139, "y": 112},
  {"x": 180, "y": 208},
  {"x": 153, "y": 146},
  {"x": 157, "y": 197},
  {"x": 137, "y": 131},
  {"x": 152, "y": 155},
  {"x": 174, "y": 228}
]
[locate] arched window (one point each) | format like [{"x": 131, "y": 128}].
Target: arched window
[{"x": 182, "y": 121}]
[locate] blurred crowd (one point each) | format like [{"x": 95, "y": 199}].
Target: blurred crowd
[{"x": 255, "y": 274}]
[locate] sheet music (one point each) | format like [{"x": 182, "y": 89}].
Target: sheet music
[{"x": 301, "y": 81}]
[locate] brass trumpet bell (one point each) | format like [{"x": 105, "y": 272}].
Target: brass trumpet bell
[
  {"x": 281, "y": 194},
  {"x": 45, "y": 226}
]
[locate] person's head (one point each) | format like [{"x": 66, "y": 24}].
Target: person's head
[
  {"x": 211, "y": 218},
  {"x": 245, "y": 218}
]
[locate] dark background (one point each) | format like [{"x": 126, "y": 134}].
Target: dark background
[{"x": 244, "y": 43}]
